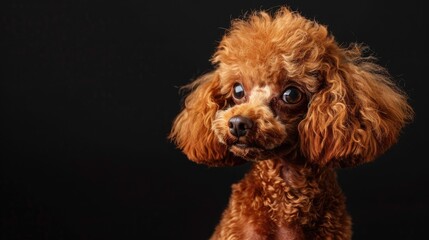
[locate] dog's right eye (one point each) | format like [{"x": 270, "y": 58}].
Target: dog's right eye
[{"x": 238, "y": 91}]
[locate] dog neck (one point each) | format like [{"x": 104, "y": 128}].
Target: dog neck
[
  {"x": 293, "y": 193},
  {"x": 288, "y": 189},
  {"x": 279, "y": 199}
]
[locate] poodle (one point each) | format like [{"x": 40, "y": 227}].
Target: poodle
[{"x": 286, "y": 97}]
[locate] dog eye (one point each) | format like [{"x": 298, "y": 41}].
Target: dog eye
[
  {"x": 238, "y": 91},
  {"x": 292, "y": 95}
]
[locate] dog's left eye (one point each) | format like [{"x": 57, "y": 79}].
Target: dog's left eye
[
  {"x": 292, "y": 95},
  {"x": 238, "y": 91}
]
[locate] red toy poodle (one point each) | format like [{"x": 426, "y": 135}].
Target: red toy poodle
[{"x": 285, "y": 96}]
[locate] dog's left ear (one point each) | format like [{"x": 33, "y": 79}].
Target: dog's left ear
[{"x": 356, "y": 116}]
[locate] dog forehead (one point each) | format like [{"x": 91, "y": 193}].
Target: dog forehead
[
  {"x": 261, "y": 90},
  {"x": 254, "y": 74},
  {"x": 260, "y": 93}
]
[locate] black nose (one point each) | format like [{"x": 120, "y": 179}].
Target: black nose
[{"x": 238, "y": 125}]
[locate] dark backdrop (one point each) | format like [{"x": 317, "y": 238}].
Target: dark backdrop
[{"x": 89, "y": 90}]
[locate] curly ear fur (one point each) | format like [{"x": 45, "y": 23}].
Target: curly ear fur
[
  {"x": 191, "y": 130},
  {"x": 356, "y": 116}
]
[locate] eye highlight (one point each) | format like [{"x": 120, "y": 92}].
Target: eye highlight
[
  {"x": 292, "y": 95},
  {"x": 238, "y": 91}
]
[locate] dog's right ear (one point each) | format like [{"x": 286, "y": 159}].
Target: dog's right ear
[{"x": 191, "y": 130}]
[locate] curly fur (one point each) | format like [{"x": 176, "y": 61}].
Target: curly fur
[{"x": 350, "y": 113}]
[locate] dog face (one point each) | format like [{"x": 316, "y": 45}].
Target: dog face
[
  {"x": 261, "y": 118},
  {"x": 282, "y": 88}
]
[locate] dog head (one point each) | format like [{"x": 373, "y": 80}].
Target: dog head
[{"x": 282, "y": 88}]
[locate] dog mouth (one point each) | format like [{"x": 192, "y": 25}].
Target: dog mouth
[
  {"x": 248, "y": 151},
  {"x": 241, "y": 145},
  {"x": 254, "y": 153}
]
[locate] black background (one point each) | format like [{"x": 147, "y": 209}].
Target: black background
[{"x": 89, "y": 90}]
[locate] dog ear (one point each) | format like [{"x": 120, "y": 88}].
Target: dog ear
[
  {"x": 191, "y": 130},
  {"x": 356, "y": 116}
]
